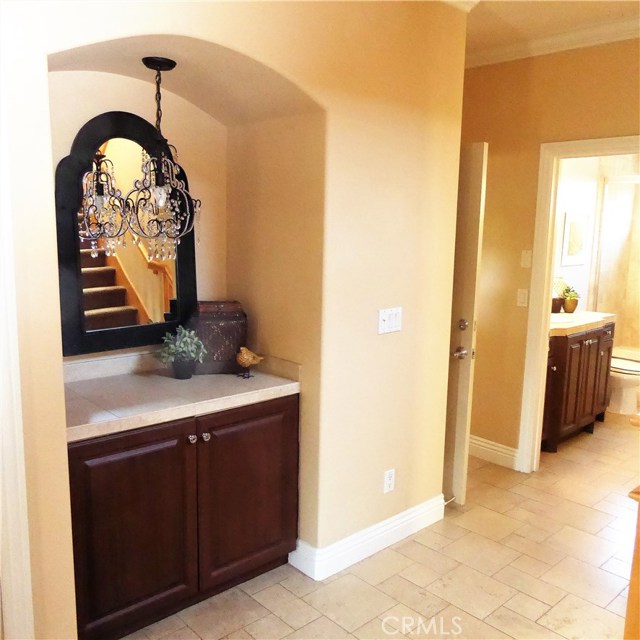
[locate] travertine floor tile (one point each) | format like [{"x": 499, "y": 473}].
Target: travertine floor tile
[
  {"x": 618, "y": 567},
  {"x": 527, "y": 606},
  {"x": 575, "y": 618},
  {"x": 377, "y": 629},
  {"x": 537, "y": 550},
  {"x": 581, "y": 545},
  {"x": 572, "y": 514},
  {"x": 532, "y": 493},
  {"x": 412, "y": 596},
  {"x": 499, "y": 476},
  {"x": 478, "y": 552},
  {"x": 533, "y": 587},
  {"x": 455, "y": 623},
  {"x": 618, "y": 606},
  {"x": 268, "y": 579},
  {"x": 184, "y": 633},
  {"x": 449, "y": 529},
  {"x": 487, "y": 523},
  {"x": 436, "y": 561},
  {"x": 419, "y": 574},
  {"x": 585, "y": 581},
  {"x": 222, "y": 614},
  {"x": 533, "y": 533},
  {"x": 349, "y": 602},
  {"x": 517, "y": 626},
  {"x": 471, "y": 591},
  {"x": 530, "y": 565},
  {"x": 320, "y": 629},
  {"x": 300, "y": 585},
  {"x": 432, "y": 539},
  {"x": 291, "y": 609},
  {"x": 270, "y": 627},
  {"x": 163, "y": 627},
  {"x": 381, "y": 566},
  {"x": 494, "y": 498}
]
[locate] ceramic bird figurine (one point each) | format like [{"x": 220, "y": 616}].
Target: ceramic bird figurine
[{"x": 246, "y": 358}]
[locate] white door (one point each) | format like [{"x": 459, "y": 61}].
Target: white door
[{"x": 471, "y": 196}]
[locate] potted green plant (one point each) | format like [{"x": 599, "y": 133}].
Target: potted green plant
[
  {"x": 182, "y": 350},
  {"x": 570, "y": 299}
]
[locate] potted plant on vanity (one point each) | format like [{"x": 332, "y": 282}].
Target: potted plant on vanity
[
  {"x": 182, "y": 350},
  {"x": 570, "y": 299}
]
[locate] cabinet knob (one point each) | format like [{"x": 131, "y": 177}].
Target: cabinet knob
[
  {"x": 206, "y": 436},
  {"x": 554, "y": 368},
  {"x": 192, "y": 438}
]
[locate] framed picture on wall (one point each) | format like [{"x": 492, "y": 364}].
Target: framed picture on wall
[{"x": 573, "y": 239}]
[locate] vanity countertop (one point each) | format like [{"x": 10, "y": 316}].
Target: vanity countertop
[
  {"x": 564, "y": 324},
  {"x": 102, "y": 406}
]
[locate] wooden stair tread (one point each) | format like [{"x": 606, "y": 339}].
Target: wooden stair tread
[{"x": 109, "y": 310}]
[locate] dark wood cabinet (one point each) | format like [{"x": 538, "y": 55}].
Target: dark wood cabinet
[
  {"x": 247, "y": 486},
  {"x": 167, "y": 515},
  {"x": 577, "y": 391}
]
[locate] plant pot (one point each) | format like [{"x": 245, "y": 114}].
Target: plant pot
[
  {"x": 183, "y": 369},
  {"x": 556, "y": 305},
  {"x": 569, "y": 305}
]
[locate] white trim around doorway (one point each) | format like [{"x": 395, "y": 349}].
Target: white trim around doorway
[{"x": 537, "y": 346}]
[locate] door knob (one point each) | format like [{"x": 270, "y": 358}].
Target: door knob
[
  {"x": 460, "y": 353},
  {"x": 463, "y": 324}
]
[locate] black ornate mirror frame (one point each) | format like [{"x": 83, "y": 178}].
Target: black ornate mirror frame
[{"x": 69, "y": 173}]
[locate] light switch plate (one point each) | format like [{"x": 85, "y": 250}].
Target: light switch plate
[
  {"x": 523, "y": 298},
  {"x": 389, "y": 320}
]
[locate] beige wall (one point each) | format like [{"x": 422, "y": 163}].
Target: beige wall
[
  {"x": 515, "y": 107},
  {"x": 389, "y": 76},
  {"x": 276, "y": 218}
]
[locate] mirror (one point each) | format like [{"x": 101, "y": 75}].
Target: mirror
[{"x": 122, "y": 300}]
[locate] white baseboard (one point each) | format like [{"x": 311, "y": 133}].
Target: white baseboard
[
  {"x": 326, "y": 561},
  {"x": 493, "y": 452}
]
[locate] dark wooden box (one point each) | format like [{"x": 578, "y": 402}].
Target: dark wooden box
[{"x": 222, "y": 327}]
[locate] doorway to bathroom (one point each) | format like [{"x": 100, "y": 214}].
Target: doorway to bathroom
[
  {"x": 549, "y": 230},
  {"x": 597, "y": 235}
]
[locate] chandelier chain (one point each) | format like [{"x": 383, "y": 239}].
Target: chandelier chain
[{"x": 158, "y": 99}]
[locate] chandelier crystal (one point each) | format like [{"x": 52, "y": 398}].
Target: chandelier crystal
[{"x": 103, "y": 212}]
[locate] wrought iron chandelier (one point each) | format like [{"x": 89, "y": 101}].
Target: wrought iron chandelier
[
  {"x": 103, "y": 212},
  {"x": 159, "y": 209}
]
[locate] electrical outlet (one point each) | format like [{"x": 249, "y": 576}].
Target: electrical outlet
[{"x": 389, "y": 480}]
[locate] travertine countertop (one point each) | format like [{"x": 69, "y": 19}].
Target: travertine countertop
[
  {"x": 564, "y": 324},
  {"x": 101, "y": 406}
]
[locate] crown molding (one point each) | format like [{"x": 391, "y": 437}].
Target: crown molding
[
  {"x": 463, "y": 5},
  {"x": 588, "y": 37}
]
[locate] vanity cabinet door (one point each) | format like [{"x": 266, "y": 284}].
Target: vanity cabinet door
[
  {"x": 603, "y": 390},
  {"x": 133, "y": 501},
  {"x": 248, "y": 489},
  {"x": 571, "y": 370}
]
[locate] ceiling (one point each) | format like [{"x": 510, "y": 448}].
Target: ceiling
[{"x": 508, "y": 30}]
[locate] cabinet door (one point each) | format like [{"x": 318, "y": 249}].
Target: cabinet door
[
  {"x": 572, "y": 371},
  {"x": 248, "y": 489},
  {"x": 605, "y": 350},
  {"x": 588, "y": 379},
  {"x": 133, "y": 502}
]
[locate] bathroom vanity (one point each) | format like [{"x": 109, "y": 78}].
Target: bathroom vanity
[
  {"x": 577, "y": 386},
  {"x": 179, "y": 490}
]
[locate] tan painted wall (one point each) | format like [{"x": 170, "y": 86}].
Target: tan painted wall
[
  {"x": 390, "y": 78},
  {"x": 515, "y": 107},
  {"x": 275, "y": 242}
]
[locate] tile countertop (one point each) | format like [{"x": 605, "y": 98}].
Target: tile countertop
[
  {"x": 564, "y": 324},
  {"x": 101, "y": 406}
]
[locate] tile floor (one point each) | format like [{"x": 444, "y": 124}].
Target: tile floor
[{"x": 543, "y": 555}]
